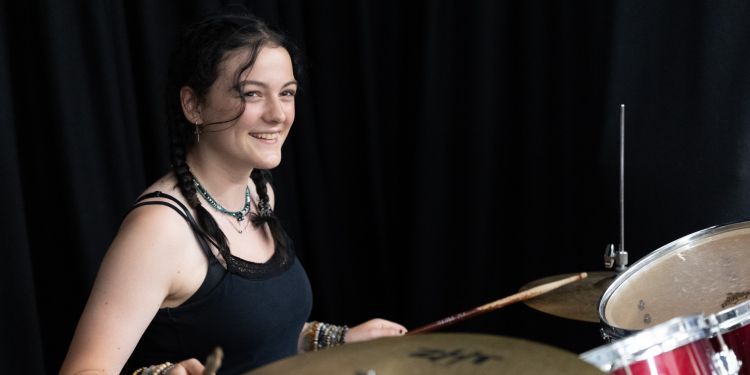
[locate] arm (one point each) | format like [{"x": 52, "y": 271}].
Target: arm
[
  {"x": 369, "y": 330},
  {"x": 138, "y": 274}
]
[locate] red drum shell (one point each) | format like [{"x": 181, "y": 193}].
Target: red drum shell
[
  {"x": 739, "y": 341},
  {"x": 733, "y": 324},
  {"x": 693, "y": 358},
  {"x": 678, "y": 346}
]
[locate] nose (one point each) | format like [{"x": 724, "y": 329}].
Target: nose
[{"x": 274, "y": 111}]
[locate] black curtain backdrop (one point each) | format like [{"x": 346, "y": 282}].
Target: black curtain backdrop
[{"x": 445, "y": 153}]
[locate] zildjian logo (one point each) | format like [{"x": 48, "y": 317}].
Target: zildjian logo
[{"x": 454, "y": 356}]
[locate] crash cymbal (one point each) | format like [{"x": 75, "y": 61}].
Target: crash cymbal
[
  {"x": 578, "y": 301},
  {"x": 434, "y": 353}
]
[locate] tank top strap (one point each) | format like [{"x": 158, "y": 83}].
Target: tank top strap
[{"x": 180, "y": 208}]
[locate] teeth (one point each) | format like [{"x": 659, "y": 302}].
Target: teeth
[{"x": 264, "y": 135}]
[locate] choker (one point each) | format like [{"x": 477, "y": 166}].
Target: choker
[{"x": 239, "y": 215}]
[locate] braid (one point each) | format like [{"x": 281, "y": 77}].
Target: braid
[
  {"x": 184, "y": 177},
  {"x": 182, "y": 173},
  {"x": 265, "y": 214}
]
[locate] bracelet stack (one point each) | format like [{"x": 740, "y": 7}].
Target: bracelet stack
[
  {"x": 155, "y": 369},
  {"x": 323, "y": 335}
]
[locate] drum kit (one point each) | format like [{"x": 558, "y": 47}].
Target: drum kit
[{"x": 682, "y": 309}]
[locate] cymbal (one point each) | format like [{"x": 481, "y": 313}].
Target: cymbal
[
  {"x": 434, "y": 353},
  {"x": 577, "y": 301}
]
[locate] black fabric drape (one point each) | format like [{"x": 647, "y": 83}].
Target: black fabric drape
[
  {"x": 19, "y": 319},
  {"x": 444, "y": 153}
]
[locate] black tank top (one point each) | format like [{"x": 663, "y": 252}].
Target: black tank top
[{"x": 255, "y": 318}]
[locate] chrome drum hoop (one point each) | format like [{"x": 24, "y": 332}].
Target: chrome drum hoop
[{"x": 732, "y": 318}]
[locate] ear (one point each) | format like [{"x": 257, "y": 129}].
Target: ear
[{"x": 190, "y": 105}]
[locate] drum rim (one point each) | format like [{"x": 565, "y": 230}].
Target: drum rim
[
  {"x": 644, "y": 344},
  {"x": 618, "y": 332},
  {"x": 732, "y": 318}
]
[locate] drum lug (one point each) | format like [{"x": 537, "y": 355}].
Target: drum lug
[
  {"x": 726, "y": 362},
  {"x": 605, "y": 336}
]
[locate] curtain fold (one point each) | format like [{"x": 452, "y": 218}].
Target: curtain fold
[{"x": 444, "y": 154}]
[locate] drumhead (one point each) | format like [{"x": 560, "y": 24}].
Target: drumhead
[
  {"x": 648, "y": 343},
  {"x": 704, "y": 272}
]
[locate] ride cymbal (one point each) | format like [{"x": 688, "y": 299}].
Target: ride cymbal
[
  {"x": 434, "y": 353},
  {"x": 577, "y": 301}
]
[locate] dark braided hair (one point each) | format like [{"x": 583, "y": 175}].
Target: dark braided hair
[{"x": 195, "y": 64}]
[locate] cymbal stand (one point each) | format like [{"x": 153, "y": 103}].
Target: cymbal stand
[{"x": 619, "y": 259}]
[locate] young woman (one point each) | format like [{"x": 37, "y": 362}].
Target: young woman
[{"x": 202, "y": 261}]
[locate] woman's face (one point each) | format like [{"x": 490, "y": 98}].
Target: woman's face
[{"x": 255, "y": 138}]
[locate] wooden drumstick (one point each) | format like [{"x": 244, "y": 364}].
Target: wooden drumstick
[
  {"x": 520, "y": 296},
  {"x": 213, "y": 362}
]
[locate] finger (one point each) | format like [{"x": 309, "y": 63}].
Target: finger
[
  {"x": 389, "y": 323},
  {"x": 393, "y": 331},
  {"x": 398, "y": 328},
  {"x": 384, "y": 331},
  {"x": 192, "y": 366}
]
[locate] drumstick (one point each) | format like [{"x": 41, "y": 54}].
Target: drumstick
[
  {"x": 213, "y": 362},
  {"x": 520, "y": 296}
]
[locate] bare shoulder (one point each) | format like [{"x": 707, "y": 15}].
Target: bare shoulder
[{"x": 155, "y": 229}]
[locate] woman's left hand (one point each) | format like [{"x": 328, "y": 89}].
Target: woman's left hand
[{"x": 373, "y": 329}]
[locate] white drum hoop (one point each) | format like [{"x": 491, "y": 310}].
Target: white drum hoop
[{"x": 648, "y": 343}]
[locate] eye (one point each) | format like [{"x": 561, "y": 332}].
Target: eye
[
  {"x": 291, "y": 93},
  {"x": 251, "y": 94}
]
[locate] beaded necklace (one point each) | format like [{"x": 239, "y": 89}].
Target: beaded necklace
[{"x": 239, "y": 215}]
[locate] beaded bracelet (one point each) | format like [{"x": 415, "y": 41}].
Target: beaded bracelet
[
  {"x": 155, "y": 369},
  {"x": 323, "y": 335}
]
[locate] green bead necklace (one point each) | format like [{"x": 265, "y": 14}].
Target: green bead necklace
[{"x": 239, "y": 215}]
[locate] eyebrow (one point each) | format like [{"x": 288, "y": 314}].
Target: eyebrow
[{"x": 262, "y": 84}]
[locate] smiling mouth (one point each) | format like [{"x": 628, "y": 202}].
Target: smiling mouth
[{"x": 265, "y": 136}]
